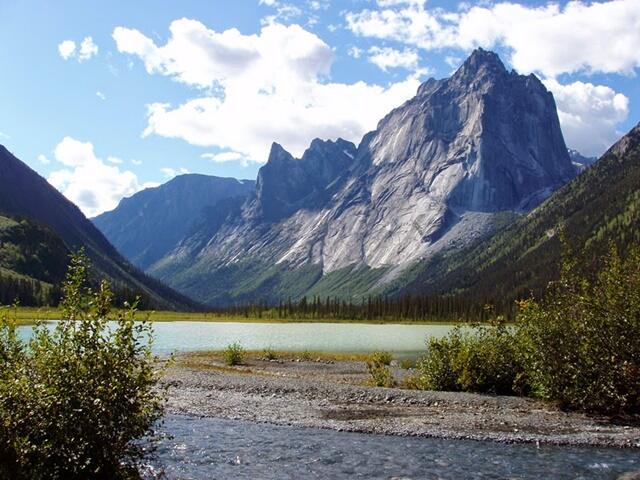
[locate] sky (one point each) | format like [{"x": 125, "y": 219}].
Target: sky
[{"x": 105, "y": 98}]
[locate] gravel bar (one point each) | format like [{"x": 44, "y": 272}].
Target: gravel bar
[{"x": 331, "y": 394}]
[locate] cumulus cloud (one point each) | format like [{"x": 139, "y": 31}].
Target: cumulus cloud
[
  {"x": 549, "y": 39},
  {"x": 224, "y": 157},
  {"x": 170, "y": 172},
  {"x": 43, "y": 159},
  {"x": 101, "y": 95},
  {"x": 93, "y": 185},
  {"x": 87, "y": 49},
  {"x": 386, "y": 58},
  {"x": 256, "y": 89},
  {"x": 68, "y": 49},
  {"x": 589, "y": 114},
  {"x": 354, "y": 52}
]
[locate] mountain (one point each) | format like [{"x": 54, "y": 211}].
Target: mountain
[
  {"x": 580, "y": 161},
  {"x": 146, "y": 226},
  {"x": 599, "y": 206},
  {"x": 439, "y": 172},
  {"x": 33, "y": 261},
  {"x": 26, "y": 195}
]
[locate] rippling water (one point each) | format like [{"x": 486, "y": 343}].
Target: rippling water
[{"x": 228, "y": 449}]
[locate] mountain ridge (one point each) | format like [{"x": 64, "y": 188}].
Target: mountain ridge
[
  {"x": 26, "y": 194},
  {"x": 150, "y": 223}
]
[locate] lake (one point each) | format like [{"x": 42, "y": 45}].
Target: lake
[{"x": 401, "y": 339}]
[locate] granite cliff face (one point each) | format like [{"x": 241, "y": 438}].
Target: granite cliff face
[{"x": 432, "y": 175}]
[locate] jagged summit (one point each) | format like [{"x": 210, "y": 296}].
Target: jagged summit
[
  {"x": 480, "y": 63},
  {"x": 286, "y": 184}
]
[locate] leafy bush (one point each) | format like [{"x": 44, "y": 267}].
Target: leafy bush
[
  {"x": 75, "y": 398},
  {"x": 381, "y": 374},
  {"x": 582, "y": 344},
  {"x": 579, "y": 347},
  {"x": 483, "y": 359},
  {"x": 269, "y": 354},
  {"x": 383, "y": 358},
  {"x": 234, "y": 354},
  {"x": 407, "y": 364}
]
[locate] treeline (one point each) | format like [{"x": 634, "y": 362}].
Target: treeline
[
  {"x": 27, "y": 291},
  {"x": 30, "y": 292},
  {"x": 407, "y": 308}
]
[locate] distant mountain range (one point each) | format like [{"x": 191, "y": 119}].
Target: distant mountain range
[
  {"x": 39, "y": 227},
  {"x": 148, "y": 225},
  {"x": 441, "y": 172},
  {"x": 580, "y": 161}
]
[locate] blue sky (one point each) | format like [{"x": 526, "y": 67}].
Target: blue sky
[{"x": 106, "y": 98}]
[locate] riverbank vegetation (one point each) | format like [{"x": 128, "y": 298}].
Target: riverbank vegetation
[
  {"x": 579, "y": 347},
  {"x": 75, "y": 399}
]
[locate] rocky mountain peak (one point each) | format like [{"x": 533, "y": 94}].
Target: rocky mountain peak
[
  {"x": 278, "y": 154},
  {"x": 481, "y": 64},
  {"x": 286, "y": 184},
  {"x": 627, "y": 143}
]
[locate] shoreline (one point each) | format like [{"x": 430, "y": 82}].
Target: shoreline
[
  {"x": 329, "y": 394},
  {"x": 29, "y": 315}
]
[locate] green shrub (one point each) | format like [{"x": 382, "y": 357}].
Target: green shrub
[
  {"x": 381, "y": 374},
  {"x": 482, "y": 359},
  {"x": 269, "y": 354},
  {"x": 582, "y": 344},
  {"x": 407, "y": 364},
  {"x": 74, "y": 399},
  {"x": 234, "y": 354},
  {"x": 579, "y": 347},
  {"x": 383, "y": 358},
  {"x": 306, "y": 355}
]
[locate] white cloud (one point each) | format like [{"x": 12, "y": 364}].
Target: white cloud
[
  {"x": 136, "y": 162},
  {"x": 87, "y": 181},
  {"x": 101, "y": 95},
  {"x": 227, "y": 157},
  {"x": 286, "y": 11},
  {"x": 386, "y": 58},
  {"x": 87, "y": 50},
  {"x": 4, "y": 136},
  {"x": 354, "y": 52},
  {"x": 114, "y": 160},
  {"x": 172, "y": 172},
  {"x": 589, "y": 115},
  {"x": 67, "y": 49},
  {"x": 270, "y": 86},
  {"x": 43, "y": 159},
  {"x": 549, "y": 39}
]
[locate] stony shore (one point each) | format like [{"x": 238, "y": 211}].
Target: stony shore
[{"x": 324, "y": 393}]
